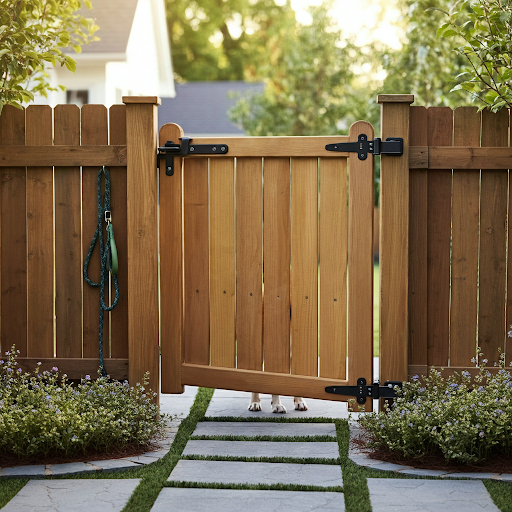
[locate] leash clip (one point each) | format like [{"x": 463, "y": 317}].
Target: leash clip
[{"x": 108, "y": 216}]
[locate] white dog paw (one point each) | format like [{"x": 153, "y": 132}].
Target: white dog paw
[
  {"x": 255, "y": 406},
  {"x": 279, "y": 408},
  {"x": 300, "y": 405}
]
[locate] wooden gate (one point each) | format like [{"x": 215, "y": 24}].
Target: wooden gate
[{"x": 267, "y": 266}]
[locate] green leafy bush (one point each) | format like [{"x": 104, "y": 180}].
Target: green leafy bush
[
  {"x": 483, "y": 29},
  {"x": 465, "y": 421},
  {"x": 42, "y": 414}
]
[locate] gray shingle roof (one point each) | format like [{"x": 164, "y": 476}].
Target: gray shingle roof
[
  {"x": 115, "y": 19},
  {"x": 201, "y": 108}
]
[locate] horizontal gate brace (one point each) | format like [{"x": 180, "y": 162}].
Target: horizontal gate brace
[
  {"x": 363, "y": 391},
  {"x": 169, "y": 150},
  {"x": 393, "y": 146}
]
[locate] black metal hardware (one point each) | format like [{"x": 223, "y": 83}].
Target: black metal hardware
[
  {"x": 363, "y": 391},
  {"x": 393, "y": 146},
  {"x": 169, "y": 150}
]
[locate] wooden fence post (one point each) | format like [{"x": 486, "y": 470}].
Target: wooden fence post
[
  {"x": 394, "y": 241},
  {"x": 142, "y": 215}
]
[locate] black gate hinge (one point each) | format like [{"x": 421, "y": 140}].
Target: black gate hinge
[
  {"x": 363, "y": 391},
  {"x": 169, "y": 150},
  {"x": 393, "y": 146}
]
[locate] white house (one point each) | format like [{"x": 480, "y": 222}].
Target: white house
[{"x": 132, "y": 56}]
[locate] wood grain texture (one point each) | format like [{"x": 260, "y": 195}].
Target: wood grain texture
[
  {"x": 249, "y": 263},
  {"x": 465, "y": 224},
  {"x": 493, "y": 234},
  {"x": 40, "y": 283},
  {"x": 171, "y": 268},
  {"x": 13, "y": 232},
  {"x": 118, "y": 205},
  {"x": 68, "y": 237},
  {"x": 276, "y": 257},
  {"x": 222, "y": 262},
  {"x": 418, "y": 180},
  {"x": 196, "y": 329},
  {"x": 333, "y": 268},
  {"x": 142, "y": 187},
  {"x": 360, "y": 261},
  {"x": 394, "y": 247},
  {"x": 94, "y": 131},
  {"x": 267, "y": 382},
  {"x": 304, "y": 266},
  {"x": 440, "y": 132}
]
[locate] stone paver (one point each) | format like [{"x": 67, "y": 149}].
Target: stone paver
[
  {"x": 418, "y": 495},
  {"x": 73, "y": 496},
  {"x": 235, "y": 403},
  {"x": 23, "y": 471},
  {"x": 253, "y": 429},
  {"x": 228, "y": 500},
  {"x": 262, "y": 449},
  {"x": 252, "y": 473}
]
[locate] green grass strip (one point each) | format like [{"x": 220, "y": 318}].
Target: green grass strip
[
  {"x": 311, "y": 439},
  {"x": 255, "y": 487},
  {"x": 9, "y": 487},
  {"x": 285, "y": 460},
  {"x": 501, "y": 494},
  {"x": 279, "y": 418}
]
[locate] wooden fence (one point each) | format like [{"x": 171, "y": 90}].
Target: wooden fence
[{"x": 49, "y": 162}]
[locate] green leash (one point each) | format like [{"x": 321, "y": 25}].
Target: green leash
[{"x": 108, "y": 258}]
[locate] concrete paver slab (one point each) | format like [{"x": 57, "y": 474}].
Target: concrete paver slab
[
  {"x": 228, "y": 500},
  {"x": 73, "y": 495},
  {"x": 235, "y": 403},
  {"x": 262, "y": 449},
  {"x": 253, "y": 473},
  {"x": 253, "y": 429},
  {"x": 418, "y": 495},
  {"x": 178, "y": 404}
]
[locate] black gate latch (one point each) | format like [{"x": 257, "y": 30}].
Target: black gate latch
[
  {"x": 391, "y": 146},
  {"x": 363, "y": 391},
  {"x": 169, "y": 150}
]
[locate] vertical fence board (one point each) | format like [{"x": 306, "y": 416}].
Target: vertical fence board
[
  {"x": 418, "y": 181},
  {"x": 276, "y": 257},
  {"x": 118, "y": 205},
  {"x": 304, "y": 268},
  {"x": 196, "y": 328},
  {"x": 333, "y": 267},
  {"x": 249, "y": 264},
  {"x": 40, "y": 300},
  {"x": 493, "y": 212},
  {"x": 222, "y": 262},
  {"x": 94, "y": 132},
  {"x": 440, "y": 131},
  {"x": 360, "y": 261},
  {"x": 465, "y": 221},
  {"x": 68, "y": 235},
  {"x": 171, "y": 268},
  {"x": 13, "y": 237}
]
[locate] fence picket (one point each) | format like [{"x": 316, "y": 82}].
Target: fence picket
[
  {"x": 304, "y": 266},
  {"x": 13, "y": 245},
  {"x": 333, "y": 268},
  {"x": 249, "y": 264},
  {"x": 222, "y": 262},
  {"x": 40, "y": 288},
  {"x": 196, "y": 328},
  {"x": 68, "y": 234},
  {"x": 276, "y": 257},
  {"x": 465, "y": 227},
  {"x": 493, "y": 212},
  {"x": 440, "y": 132},
  {"x": 118, "y": 203}
]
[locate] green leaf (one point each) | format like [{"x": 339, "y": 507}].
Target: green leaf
[
  {"x": 449, "y": 33},
  {"x": 70, "y": 64}
]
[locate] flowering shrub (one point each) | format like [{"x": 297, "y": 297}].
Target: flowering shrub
[
  {"x": 42, "y": 414},
  {"x": 464, "y": 421}
]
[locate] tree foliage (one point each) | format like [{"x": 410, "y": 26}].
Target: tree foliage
[
  {"x": 426, "y": 65},
  {"x": 225, "y": 40},
  {"x": 483, "y": 29},
  {"x": 34, "y": 34},
  {"x": 311, "y": 84}
]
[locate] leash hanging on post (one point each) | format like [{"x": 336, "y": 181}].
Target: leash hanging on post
[{"x": 108, "y": 257}]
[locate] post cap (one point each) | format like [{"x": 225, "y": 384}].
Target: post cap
[
  {"x": 395, "y": 98},
  {"x": 153, "y": 100}
]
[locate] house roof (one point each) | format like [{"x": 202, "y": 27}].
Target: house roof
[
  {"x": 201, "y": 108},
  {"x": 115, "y": 19}
]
